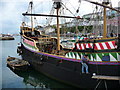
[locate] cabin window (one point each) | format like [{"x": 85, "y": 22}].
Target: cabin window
[{"x": 106, "y": 58}]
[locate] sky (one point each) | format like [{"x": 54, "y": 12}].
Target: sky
[{"x": 11, "y": 11}]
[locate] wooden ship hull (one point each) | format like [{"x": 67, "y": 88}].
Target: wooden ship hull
[{"x": 68, "y": 68}]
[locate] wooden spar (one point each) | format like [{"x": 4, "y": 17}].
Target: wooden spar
[
  {"x": 103, "y": 5},
  {"x": 26, "y": 14},
  {"x": 104, "y": 24},
  {"x": 106, "y": 77},
  {"x": 31, "y": 3},
  {"x": 58, "y": 32}
]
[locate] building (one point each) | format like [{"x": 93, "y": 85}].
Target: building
[{"x": 96, "y": 20}]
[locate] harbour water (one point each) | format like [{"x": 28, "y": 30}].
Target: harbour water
[{"x": 28, "y": 79}]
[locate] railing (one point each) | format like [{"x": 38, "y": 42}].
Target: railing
[
  {"x": 32, "y": 40},
  {"x": 98, "y": 44}
]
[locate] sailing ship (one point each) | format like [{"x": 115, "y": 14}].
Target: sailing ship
[{"x": 46, "y": 55}]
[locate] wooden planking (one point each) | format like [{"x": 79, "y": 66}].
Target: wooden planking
[{"x": 106, "y": 77}]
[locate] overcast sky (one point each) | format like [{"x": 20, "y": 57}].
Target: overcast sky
[{"x": 11, "y": 11}]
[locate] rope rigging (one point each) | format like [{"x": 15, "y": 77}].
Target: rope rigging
[
  {"x": 68, "y": 10},
  {"x": 29, "y": 10},
  {"x": 49, "y": 20},
  {"x": 77, "y": 11}
]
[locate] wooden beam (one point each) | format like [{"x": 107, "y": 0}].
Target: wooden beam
[
  {"x": 104, "y": 24},
  {"x": 26, "y": 14},
  {"x": 58, "y": 32},
  {"x": 103, "y": 5},
  {"x": 106, "y": 77}
]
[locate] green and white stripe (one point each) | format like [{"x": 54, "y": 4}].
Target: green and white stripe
[{"x": 114, "y": 56}]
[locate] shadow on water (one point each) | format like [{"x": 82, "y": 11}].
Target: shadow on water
[{"x": 38, "y": 80}]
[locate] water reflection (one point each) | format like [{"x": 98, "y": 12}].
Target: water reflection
[
  {"x": 38, "y": 80},
  {"x": 18, "y": 79}
]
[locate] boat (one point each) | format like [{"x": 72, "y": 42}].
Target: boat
[
  {"x": 6, "y": 37},
  {"x": 17, "y": 64},
  {"x": 47, "y": 56}
]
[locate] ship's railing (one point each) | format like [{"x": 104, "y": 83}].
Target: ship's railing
[
  {"x": 101, "y": 50},
  {"x": 44, "y": 43},
  {"x": 25, "y": 29},
  {"x": 30, "y": 41},
  {"x": 44, "y": 40},
  {"x": 97, "y": 44}
]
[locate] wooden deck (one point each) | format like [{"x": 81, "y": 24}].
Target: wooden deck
[{"x": 106, "y": 77}]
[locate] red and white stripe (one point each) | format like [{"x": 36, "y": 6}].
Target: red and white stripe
[
  {"x": 89, "y": 45},
  {"x": 98, "y": 46},
  {"x": 83, "y": 46},
  {"x": 105, "y": 45}
]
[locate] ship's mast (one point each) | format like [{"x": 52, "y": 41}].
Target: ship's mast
[
  {"x": 58, "y": 31},
  {"x": 57, "y": 6},
  {"x": 104, "y": 17},
  {"x": 31, "y": 5}
]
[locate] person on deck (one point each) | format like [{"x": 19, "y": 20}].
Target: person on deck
[{"x": 84, "y": 63}]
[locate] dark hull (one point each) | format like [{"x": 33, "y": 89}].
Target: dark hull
[{"x": 70, "y": 72}]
